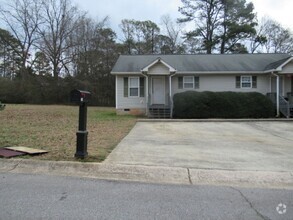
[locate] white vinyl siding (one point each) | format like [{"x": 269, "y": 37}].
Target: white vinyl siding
[
  {"x": 127, "y": 102},
  {"x": 221, "y": 83},
  {"x": 159, "y": 69}
]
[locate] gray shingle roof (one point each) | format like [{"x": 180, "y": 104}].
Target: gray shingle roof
[{"x": 203, "y": 63}]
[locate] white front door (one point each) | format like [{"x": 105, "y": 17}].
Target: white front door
[{"x": 158, "y": 90}]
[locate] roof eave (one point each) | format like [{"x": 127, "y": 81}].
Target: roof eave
[
  {"x": 221, "y": 72},
  {"x": 280, "y": 68},
  {"x": 126, "y": 73}
]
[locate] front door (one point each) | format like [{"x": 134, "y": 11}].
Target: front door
[{"x": 158, "y": 90}]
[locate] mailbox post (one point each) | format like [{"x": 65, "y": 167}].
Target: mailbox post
[{"x": 82, "y": 98}]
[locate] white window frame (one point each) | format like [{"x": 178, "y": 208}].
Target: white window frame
[
  {"x": 129, "y": 87},
  {"x": 242, "y": 81},
  {"x": 184, "y": 78}
]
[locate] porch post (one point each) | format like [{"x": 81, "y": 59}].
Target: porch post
[
  {"x": 147, "y": 95},
  {"x": 278, "y": 94},
  {"x": 270, "y": 84}
]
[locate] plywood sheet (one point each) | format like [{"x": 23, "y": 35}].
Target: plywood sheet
[
  {"x": 27, "y": 150},
  {"x": 10, "y": 153}
]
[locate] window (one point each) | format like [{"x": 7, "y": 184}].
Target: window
[
  {"x": 246, "y": 82},
  {"x": 134, "y": 86},
  {"x": 188, "y": 82}
]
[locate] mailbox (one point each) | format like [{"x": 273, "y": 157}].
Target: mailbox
[
  {"x": 79, "y": 96},
  {"x": 82, "y": 98}
]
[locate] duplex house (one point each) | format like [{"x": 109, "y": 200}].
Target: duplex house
[{"x": 146, "y": 84}]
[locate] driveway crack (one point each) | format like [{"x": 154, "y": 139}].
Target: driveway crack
[
  {"x": 189, "y": 176},
  {"x": 251, "y": 205}
]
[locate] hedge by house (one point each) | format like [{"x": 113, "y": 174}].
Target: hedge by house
[{"x": 222, "y": 105}]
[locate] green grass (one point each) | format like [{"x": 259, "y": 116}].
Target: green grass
[{"x": 53, "y": 128}]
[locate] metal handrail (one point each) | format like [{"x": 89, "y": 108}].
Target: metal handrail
[
  {"x": 283, "y": 103},
  {"x": 284, "y": 107}
]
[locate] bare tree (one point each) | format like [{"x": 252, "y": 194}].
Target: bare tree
[
  {"x": 278, "y": 39},
  {"x": 22, "y": 18},
  {"x": 173, "y": 31},
  {"x": 60, "y": 21}
]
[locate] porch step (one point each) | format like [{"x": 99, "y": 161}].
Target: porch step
[{"x": 159, "y": 112}]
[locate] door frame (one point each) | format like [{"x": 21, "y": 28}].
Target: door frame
[{"x": 164, "y": 89}]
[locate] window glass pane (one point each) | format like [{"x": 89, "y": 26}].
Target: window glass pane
[
  {"x": 188, "y": 82},
  {"x": 188, "y": 79},
  {"x": 246, "y": 85},
  {"x": 133, "y": 91},
  {"x": 141, "y": 85},
  {"x": 133, "y": 82},
  {"x": 188, "y": 85},
  {"x": 246, "y": 78},
  {"x": 246, "y": 82}
]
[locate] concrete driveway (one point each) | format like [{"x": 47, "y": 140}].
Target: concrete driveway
[{"x": 252, "y": 146}]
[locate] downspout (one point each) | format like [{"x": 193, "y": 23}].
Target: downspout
[{"x": 278, "y": 94}]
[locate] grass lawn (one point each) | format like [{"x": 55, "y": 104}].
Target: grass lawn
[{"x": 53, "y": 128}]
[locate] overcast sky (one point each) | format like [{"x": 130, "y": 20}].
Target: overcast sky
[{"x": 280, "y": 10}]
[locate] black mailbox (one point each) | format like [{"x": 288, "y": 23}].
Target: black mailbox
[
  {"x": 79, "y": 96},
  {"x": 82, "y": 98}
]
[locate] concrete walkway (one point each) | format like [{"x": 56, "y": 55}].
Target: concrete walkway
[{"x": 239, "y": 146}]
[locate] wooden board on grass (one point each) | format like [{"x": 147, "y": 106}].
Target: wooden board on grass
[{"x": 27, "y": 150}]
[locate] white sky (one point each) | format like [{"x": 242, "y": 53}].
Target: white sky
[{"x": 279, "y": 10}]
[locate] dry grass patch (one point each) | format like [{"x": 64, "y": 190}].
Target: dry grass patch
[{"x": 53, "y": 128}]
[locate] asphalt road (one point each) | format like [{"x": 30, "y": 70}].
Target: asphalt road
[{"x": 53, "y": 197}]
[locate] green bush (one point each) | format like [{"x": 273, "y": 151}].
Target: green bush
[{"x": 222, "y": 105}]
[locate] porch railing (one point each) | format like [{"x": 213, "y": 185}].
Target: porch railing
[
  {"x": 284, "y": 105},
  {"x": 149, "y": 103},
  {"x": 171, "y": 105}
]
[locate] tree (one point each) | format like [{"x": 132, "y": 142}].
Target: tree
[
  {"x": 127, "y": 28},
  {"x": 238, "y": 23},
  {"x": 94, "y": 59},
  {"x": 42, "y": 64},
  {"x": 60, "y": 21},
  {"x": 9, "y": 60},
  {"x": 221, "y": 25},
  {"x": 22, "y": 18},
  {"x": 140, "y": 37},
  {"x": 278, "y": 39},
  {"x": 170, "y": 40},
  {"x": 207, "y": 18}
]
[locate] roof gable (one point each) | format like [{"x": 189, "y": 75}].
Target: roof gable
[
  {"x": 158, "y": 61},
  {"x": 206, "y": 63}
]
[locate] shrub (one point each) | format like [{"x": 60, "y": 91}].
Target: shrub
[{"x": 222, "y": 105}]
